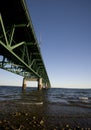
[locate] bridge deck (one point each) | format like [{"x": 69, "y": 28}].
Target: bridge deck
[{"x": 19, "y": 47}]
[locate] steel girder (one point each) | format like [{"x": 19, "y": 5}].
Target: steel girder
[{"x": 19, "y": 49}]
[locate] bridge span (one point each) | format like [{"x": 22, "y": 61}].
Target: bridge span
[{"x": 19, "y": 49}]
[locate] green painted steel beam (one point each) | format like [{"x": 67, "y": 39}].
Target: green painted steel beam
[
  {"x": 17, "y": 45},
  {"x": 22, "y": 46},
  {"x": 10, "y": 50}
]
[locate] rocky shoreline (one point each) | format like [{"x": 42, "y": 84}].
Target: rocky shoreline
[
  {"x": 29, "y": 121},
  {"x": 21, "y": 121},
  {"x": 17, "y": 116}
]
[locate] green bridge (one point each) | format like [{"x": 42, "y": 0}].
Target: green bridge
[{"x": 19, "y": 49}]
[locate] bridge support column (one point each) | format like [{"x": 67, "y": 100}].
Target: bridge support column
[
  {"x": 24, "y": 84},
  {"x": 40, "y": 84},
  {"x": 46, "y": 85}
]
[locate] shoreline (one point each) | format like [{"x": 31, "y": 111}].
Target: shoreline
[
  {"x": 43, "y": 117},
  {"x": 28, "y": 121}
]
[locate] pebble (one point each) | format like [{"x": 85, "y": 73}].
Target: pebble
[
  {"x": 26, "y": 114},
  {"x": 0, "y": 122},
  {"x": 17, "y": 114},
  {"x": 67, "y": 126},
  {"x": 41, "y": 122},
  {"x": 34, "y": 117}
]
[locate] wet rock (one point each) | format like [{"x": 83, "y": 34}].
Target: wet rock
[
  {"x": 21, "y": 127},
  {"x": 34, "y": 117},
  {"x": 26, "y": 114},
  {"x": 67, "y": 126},
  {"x": 41, "y": 122},
  {"x": 16, "y": 114},
  {"x": 0, "y": 122}
]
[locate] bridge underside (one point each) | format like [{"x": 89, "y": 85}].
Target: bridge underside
[{"x": 19, "y": 49}]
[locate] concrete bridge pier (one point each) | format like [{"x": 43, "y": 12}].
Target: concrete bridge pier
[
  {"x": 40, "y": 84},
  {"x": 24, "y": 84},
  {"x": 46, "y": 85}
]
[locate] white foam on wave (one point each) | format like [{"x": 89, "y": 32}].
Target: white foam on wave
[
  {"x": 32, "y": 103},
  {"x": 83, "y": 98}
]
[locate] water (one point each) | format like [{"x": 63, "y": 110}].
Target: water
[
  {"x": 57, "y": 96},
  {"x": 57, "y": 106}
]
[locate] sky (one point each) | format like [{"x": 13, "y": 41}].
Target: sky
[{"x": 63, "y": 29}]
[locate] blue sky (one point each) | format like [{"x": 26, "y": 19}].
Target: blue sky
[{"x": 63, "y": 28}]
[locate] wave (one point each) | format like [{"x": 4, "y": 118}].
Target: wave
[
  {"x": 31, "y": 103},
  {"x": 83, "y": 98}
]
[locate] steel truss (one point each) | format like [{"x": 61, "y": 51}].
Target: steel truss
[{"x": 16, "y": 57}]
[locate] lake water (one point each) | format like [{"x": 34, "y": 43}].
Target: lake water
[
  {"x": 57, "y": 106},
  {"x": 58, "y": 96}
]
